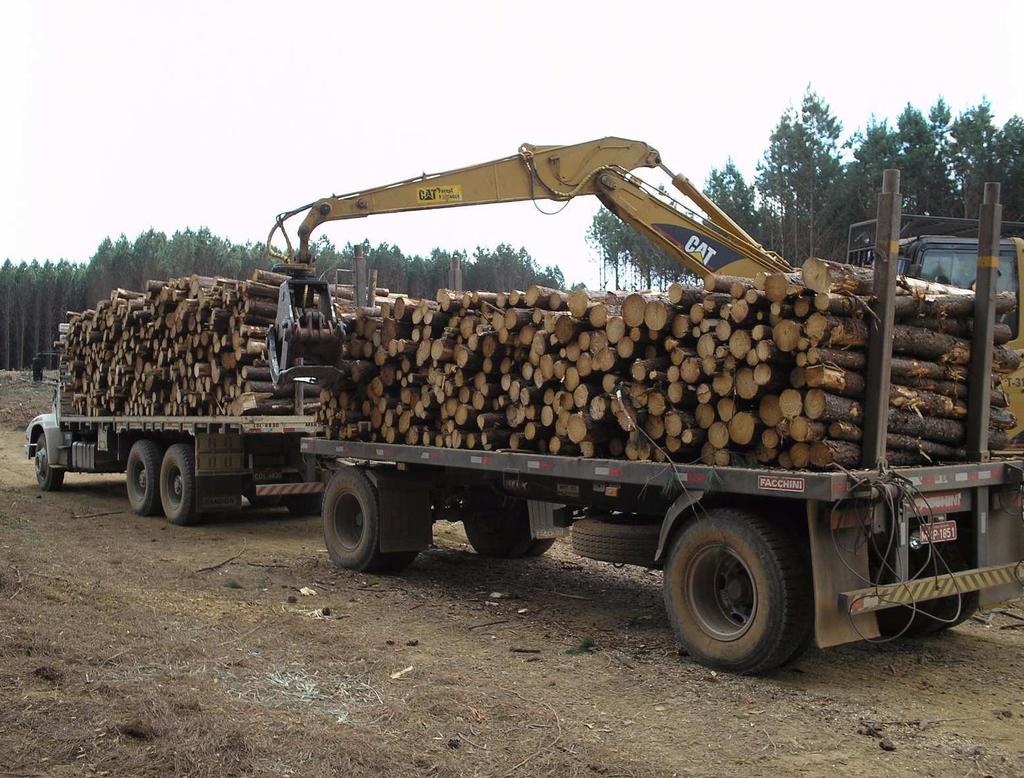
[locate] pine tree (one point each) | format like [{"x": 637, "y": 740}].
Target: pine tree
[
  {"x": 1010, "y": 154},
  {"x": 874, "y": 150},
  {"x": 6, "y": 313},
  {"x": 924, "y": 175},
  {"x": 797, "y": 181},
  {"x": 730, "y": 192},
  {"x": 973, "y": 154}
]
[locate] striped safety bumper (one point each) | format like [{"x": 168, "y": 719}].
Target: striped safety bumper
[
  {"x": 272, "y": 490},
  {"x": 877, "y": 597}
]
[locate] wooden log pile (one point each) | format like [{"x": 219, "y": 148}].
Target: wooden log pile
[
  {"x": 189, "y": 346},
  {"x": 768, "y": 370}
]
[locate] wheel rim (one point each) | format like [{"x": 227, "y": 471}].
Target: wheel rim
[
  {"x": 42, "y": 464},
  {"x": 722, "y": 592},
  {"x": 139, "y": 477},
  {"x": 347, "y": 521},
  {"x": 175, "y": 487}
]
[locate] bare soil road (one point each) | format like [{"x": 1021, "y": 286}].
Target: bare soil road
[{"x": 132, "y": 647}]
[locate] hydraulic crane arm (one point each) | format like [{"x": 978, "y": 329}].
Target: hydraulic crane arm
[{"x": 704, "y": 244}]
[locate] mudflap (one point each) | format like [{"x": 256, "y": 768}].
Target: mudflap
[
  {"x": 832, "y": 625},
  {"x": 218, "y": 493},
  {"x": 407, "y": 520},
  {"x": 220, "y": 471},
  {"x": 548, "y": 520},
  {"x": 1000, "y": 537}
]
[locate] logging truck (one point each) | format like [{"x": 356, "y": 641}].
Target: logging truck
[
  {"x": 758, "y": 562},
  {"x": 181, "y": 466}
]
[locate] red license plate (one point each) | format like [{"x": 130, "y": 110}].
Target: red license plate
[{"x": 938, "y": 531}]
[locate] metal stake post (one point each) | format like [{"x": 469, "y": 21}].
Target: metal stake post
[
  {"x": 455, "y": 274},
  {"x": 980, "y": 376},
  {"x": 371, "y": 289},
  {"x": 979, "y": 379},
  {"x": 359, "y": 266},
  {"x": 300, "y": 398},
  {"x": 887, "y": 249}
]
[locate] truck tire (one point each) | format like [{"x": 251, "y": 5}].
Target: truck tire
[
  {"x": 178, "y": 485},
  {"x": 352, "y": 525},
  {"x": 933, "y": 616},
  {"x": 48, "y": 478},
  {"x": 616, "y": 541},
  {"x": 304, "y": 504},
  {"x": 142, "y": 474},
  {"x": 738, "y": 592},
  {"x": 505, "y": 532}
]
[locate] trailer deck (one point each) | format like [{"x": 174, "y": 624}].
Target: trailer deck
[
  {"x": 194, "y": 424},
  {"x": 798, "y": 484}
]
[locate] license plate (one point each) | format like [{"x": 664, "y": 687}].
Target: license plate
[{"x": 938, "y": 531}]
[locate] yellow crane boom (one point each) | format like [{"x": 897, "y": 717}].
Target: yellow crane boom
[{"x": 704, "y": 243}]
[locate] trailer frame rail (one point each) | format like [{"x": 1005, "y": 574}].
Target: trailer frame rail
[{"x": 797, "y": 484}]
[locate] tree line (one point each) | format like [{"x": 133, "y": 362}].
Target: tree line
[
  {"x": 811, "y": 184},
  {"x": 35, "y": 296}
]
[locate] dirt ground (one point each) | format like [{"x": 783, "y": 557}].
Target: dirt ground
[{"x": 132, "y": 647}]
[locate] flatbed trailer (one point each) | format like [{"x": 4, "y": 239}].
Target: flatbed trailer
[
  {"x": 182, "y": 466},
  {"x": 757, "y": 562}
]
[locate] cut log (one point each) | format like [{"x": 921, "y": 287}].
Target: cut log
[{"x": 820, "y": 275}]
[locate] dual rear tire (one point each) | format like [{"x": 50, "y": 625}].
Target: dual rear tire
[
  {"x": 352, "y": 526},
  {"x": 503, "y": 532},
  {"x": 178, "y": 485},
  {"x": 142, "y": 475},
  {"x": 163, "y": 481},
  {"x": 738, "y": 592}
]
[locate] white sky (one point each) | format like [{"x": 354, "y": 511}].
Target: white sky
[{"x": 119, "y": 116}]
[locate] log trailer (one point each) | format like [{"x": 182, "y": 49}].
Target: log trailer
[
  {"x": 758, "y": 562},
  {"x": 182, "y": 466}
]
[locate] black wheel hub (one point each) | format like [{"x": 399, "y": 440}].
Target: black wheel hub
[
  {"x": 139, "y": 477},
  {"x": 348, "y": 522},
  {"x": 176, "y": 487}
]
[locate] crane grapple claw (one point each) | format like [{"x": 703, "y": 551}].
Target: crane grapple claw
[{"x": 304, "y": 342}]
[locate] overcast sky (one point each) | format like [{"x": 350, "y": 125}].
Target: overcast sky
[{"x": 120, "y": 116}]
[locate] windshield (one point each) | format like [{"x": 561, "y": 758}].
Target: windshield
[{"x": 958, "y": 267}]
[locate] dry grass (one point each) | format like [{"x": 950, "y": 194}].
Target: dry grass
[{"x": 21, "y": 399}]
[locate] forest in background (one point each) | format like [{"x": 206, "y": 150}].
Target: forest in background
[
  {"x": 35, "y": 296},
  {"x": 811, "y": 183},
  {"x": 809, "y": 186}
]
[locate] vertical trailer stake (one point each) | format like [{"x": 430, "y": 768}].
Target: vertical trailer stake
[
  {"x": 978, "y": 382},
  {"x": 881, "y": 326},
  {"x": 979, "y": 386},
  {"x": 360, "y": 291}
]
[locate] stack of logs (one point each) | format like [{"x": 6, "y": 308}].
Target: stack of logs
[
  {"x": 766, "y": 370},
  {"x": 190, "y": 346}
]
